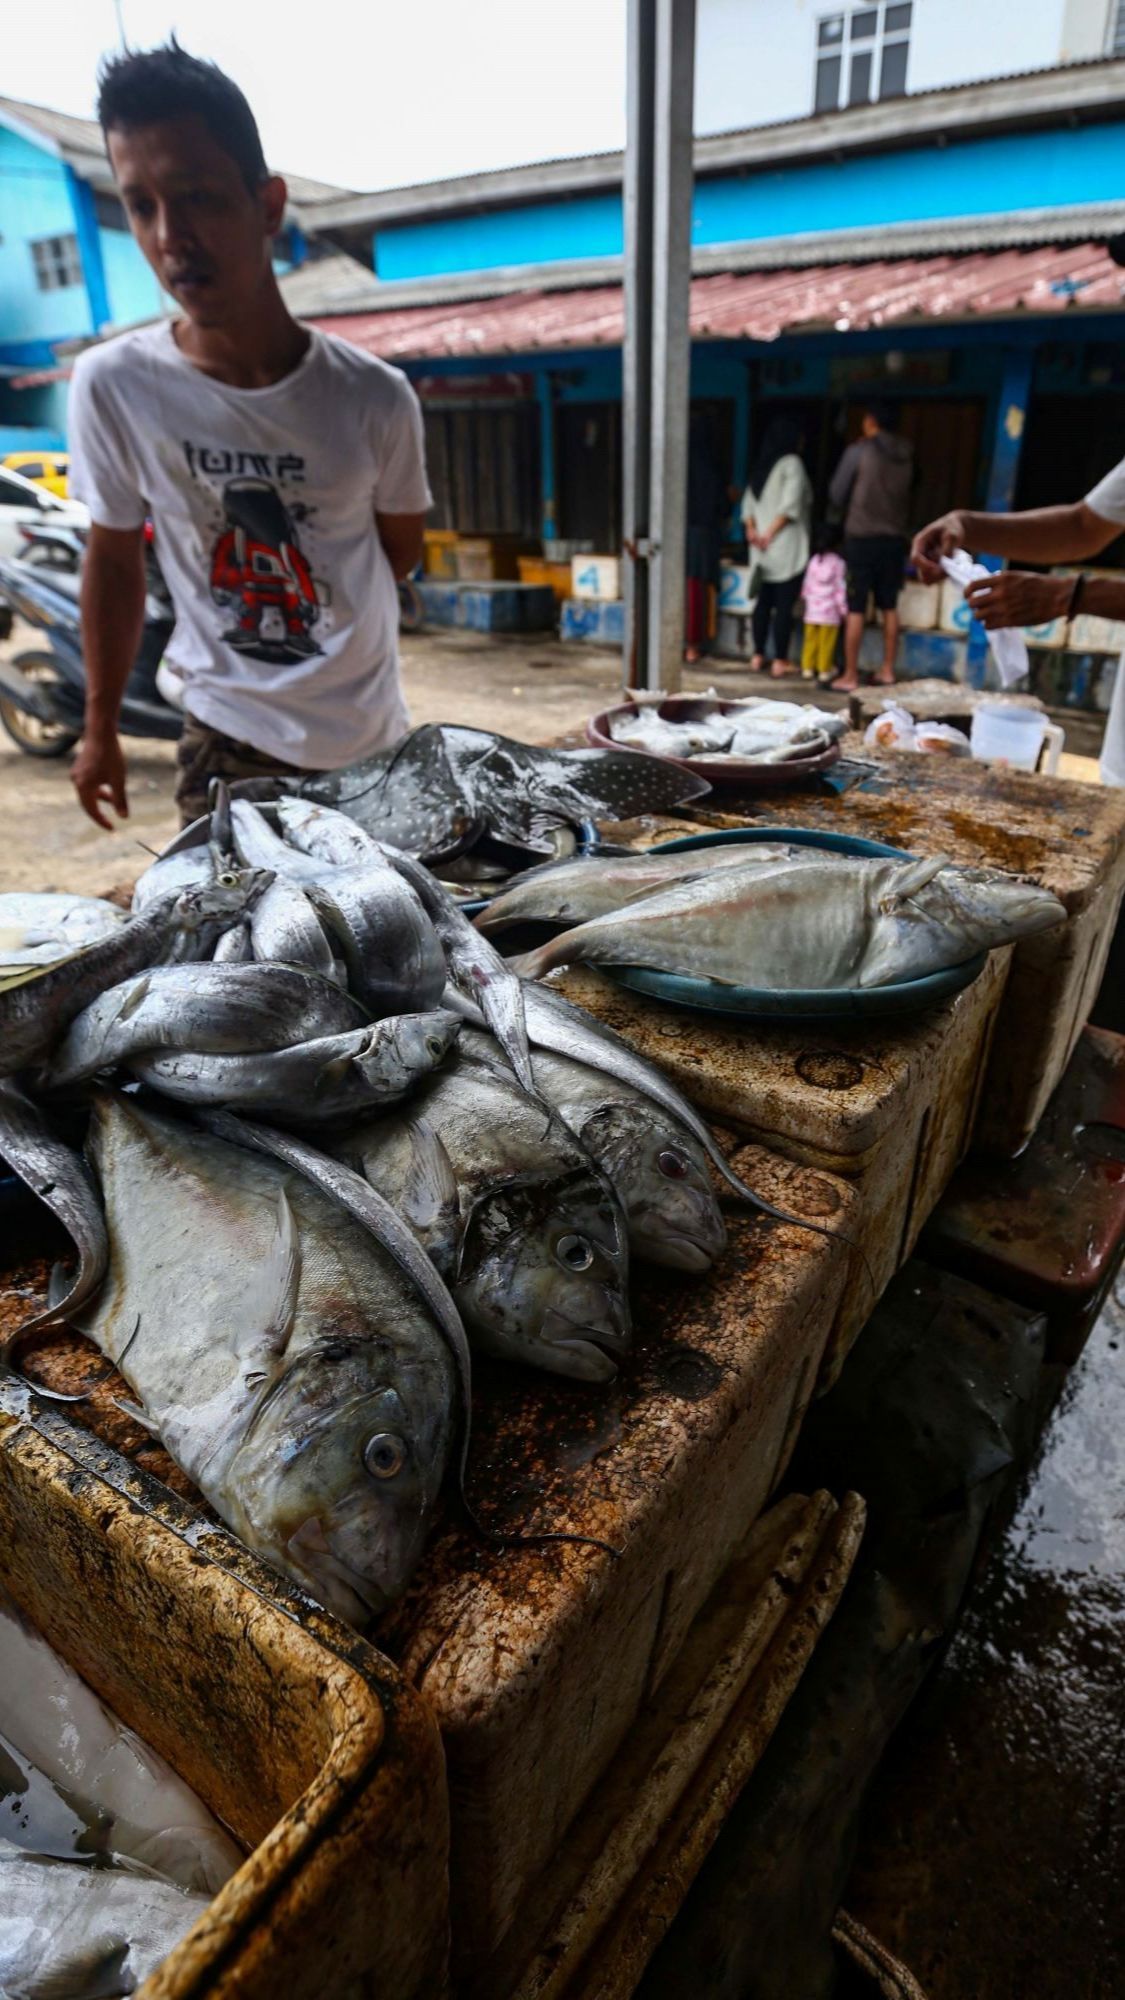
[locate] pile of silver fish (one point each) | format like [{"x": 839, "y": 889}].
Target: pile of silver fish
[
  {"x": 107, "y": 1857},
  {"x": 316, "y": 1144},
  {"x": 771, "y": 916},
  {"x": 477, "y": 807},
  {"x": 754, "y": 731}
]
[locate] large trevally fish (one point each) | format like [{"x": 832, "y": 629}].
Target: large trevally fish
[
  {"x": 841, "y": 921},
  {"x": 278, "y": 1351},
  {"x": 655, "y": 1166},
  {"x": 515, "y": 1215},
  {"x": 576, "y": 890}
]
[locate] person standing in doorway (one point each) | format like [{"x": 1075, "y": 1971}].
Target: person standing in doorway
[
  {"x": 283, "y": 468},
  {"x": 708, "y": 505},
  {"x": 776, "y": 515},
  {"x": 871, "y": 490}
]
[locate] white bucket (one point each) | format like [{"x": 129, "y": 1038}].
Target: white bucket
[{"x": 1003, "y": 734}]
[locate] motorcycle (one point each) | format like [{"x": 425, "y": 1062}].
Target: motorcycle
[
  {"x": 43, "y": 693},
  {"x": 53, "y": 548}
]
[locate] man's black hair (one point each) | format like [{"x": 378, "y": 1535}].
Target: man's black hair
[
  {"x": 884, "y": 413},
  {"x": 147, "y": 86}
]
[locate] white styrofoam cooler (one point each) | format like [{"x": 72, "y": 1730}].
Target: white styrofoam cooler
[
  {"x": 918, "y": 606},
  {"x": 734, "y": 587}
]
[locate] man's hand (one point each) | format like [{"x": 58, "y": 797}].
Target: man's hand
[
  {"x": 939, "y": 539},
  {"x": 98, "y": 776},
  {"x": 1018, "y": 597}
]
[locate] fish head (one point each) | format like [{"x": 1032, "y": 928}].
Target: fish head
[
  {"x": 410, "y": 1046},
  {"x": 340, "y": 1471},
  {"x": 660, "y": 1177},
  {"x": 940, "y": 915},
  {"x": 542, "y": 1274},
  {"x": 201, "y": 914}
]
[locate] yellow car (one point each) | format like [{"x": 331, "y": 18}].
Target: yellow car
[{"x": 43, "y": 468}]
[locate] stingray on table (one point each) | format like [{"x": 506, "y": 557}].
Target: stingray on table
[{"x": 445, "y": 792}]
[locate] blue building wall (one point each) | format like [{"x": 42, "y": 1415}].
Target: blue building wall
[
  {"x": 133, "y": 291},
  {"x": 975, "y": 177},
  {"x": 547, "y": 232},
  {"x": 34, "y": 202}
]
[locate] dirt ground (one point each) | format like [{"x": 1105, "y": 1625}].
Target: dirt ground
[{"x": 534, "y": 690}]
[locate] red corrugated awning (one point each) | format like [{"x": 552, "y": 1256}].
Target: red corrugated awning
[{"x": 758, "y": 305}]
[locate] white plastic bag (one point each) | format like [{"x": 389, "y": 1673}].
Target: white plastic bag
[
  {"x": 893, "y": 730},
  {"x": 942, "y": 739},
  {"x": 1009, "y": 647}
]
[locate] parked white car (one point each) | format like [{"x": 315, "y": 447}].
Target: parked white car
[{"x": 23, "y": 504}]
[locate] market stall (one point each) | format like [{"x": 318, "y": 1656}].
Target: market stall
[{"x": 325, "y": 1152}]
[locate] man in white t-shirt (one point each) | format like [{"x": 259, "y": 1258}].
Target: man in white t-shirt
[
  {"x": 1020, "y": 597},
  {"x": 283, "y": 469}
]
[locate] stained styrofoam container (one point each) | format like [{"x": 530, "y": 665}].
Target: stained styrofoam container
[
  {"x": 596, "y": 577},
  {"x": 734, "y": 587},
  {"x": 1055, "y": 633},
  {"x": 598, "y": 623},
  {"x": 918, "y": 605},
  {"x": 954, "y": 615},
  {"x": 1096, "y": 635}
]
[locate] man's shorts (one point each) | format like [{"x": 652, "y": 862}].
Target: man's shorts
[
  {"x": 876, "y": 567},
  {"x": 204, "y": 753}
]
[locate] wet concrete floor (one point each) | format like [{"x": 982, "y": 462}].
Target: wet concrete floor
[{"x": 992, "y": 1857}]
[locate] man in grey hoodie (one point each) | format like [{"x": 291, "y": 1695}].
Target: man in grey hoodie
[{"x": 871, "y": 487}]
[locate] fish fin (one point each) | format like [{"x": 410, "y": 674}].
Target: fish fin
[
  {"x": 137, "y": 993},
  {"x": 282, "y": 1278},
  {"x": 333, "y": 1072},
  {"x": 137, "y": 1415},
  {"x": 430, "y": 1195},
  {"x": 912, "y": 878}
]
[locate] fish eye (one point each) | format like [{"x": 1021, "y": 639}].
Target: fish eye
[
  {"x": 673, "y": 1164},
  {"x": 435, "y": 1046},
  {"x": 337, "y": 1350},
  {"x": 574, "y": 1252},
  {"x": 384, "y": 1455}
]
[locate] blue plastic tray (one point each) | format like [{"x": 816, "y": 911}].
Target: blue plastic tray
[{"x": 824, "y": 1003}]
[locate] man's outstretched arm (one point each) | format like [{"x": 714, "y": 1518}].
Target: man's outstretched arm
[
  {"x": 113, "y": 612},
  {"x": 1042, "y": 535}
]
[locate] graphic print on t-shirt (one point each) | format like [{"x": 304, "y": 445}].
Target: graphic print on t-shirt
[{"x": 259, "y": 574}]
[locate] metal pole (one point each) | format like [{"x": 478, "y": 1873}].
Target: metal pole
[
  {"x": 637, "y": 345},
  {"x": 657, "y": 347},
  {"x": 671, "y": 334}
]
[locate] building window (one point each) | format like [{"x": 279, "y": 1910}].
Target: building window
[
  {"x": 57, "y": 262},
  {"x": 1117, "y": 31},
  {"x": 861, "y": 54}
]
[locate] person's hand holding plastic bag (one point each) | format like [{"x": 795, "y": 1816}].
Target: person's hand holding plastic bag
[{"x": 1009, "y": 647}]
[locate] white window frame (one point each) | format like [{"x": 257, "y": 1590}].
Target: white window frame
[
  {"x": 845, "y": 49},
  {"x": 57, "y": 261}
]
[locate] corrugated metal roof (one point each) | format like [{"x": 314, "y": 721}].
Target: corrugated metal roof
[
  {"x": 80, "y": 141},
  {"x": 757, "y": 305}
]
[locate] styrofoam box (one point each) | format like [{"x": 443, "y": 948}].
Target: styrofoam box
[
  {"x": 1054, "y": 633},
  {"x": 734, "y": 587},
  {"x": 597, "y": 577},
  {"x": 954, "y": 615},
  {"x": 956, "y": 618},
  {"x": 1096, "y": 635},
  {"x": 918, "y": 606}
]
